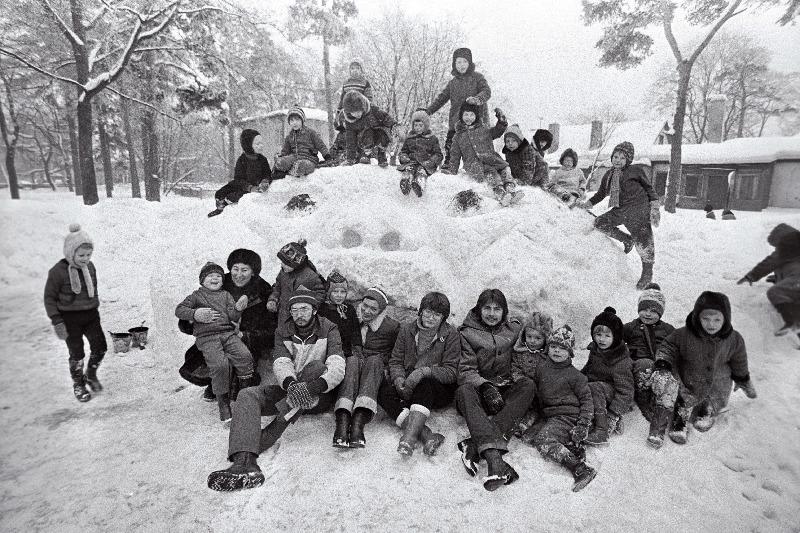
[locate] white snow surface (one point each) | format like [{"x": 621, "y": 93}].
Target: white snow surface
[{"x": 136, "y": 457}]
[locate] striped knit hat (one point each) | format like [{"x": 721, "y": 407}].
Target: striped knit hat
[
  {"x": 374, "y": 293},
  {"x": 652, "y": 298},
  {"x": 303, "y": 296},
  {"x": 296, "y": 111}
]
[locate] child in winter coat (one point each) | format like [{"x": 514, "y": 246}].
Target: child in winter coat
[
  {"x": 368, "y": 130},
  {"x": 466, "y": 86},
  {"x": 785, "y": 263},
  {"x": 356, "y": 82},
  {"x": 214, "y": 314},
  {"x": 474, "y": 142},
  {"x": 633, "y": 203},
  {"x": 643, "y": 336},
  {"x": 569, "y": 178},
  {"x": 420, "y": 155},
  {"x": 610, "y": 374},
  {"x": 542, "y": 140},
  {"x": 296, "y": 270},
  {"x": 530, "y": 349},
  {"x": 251, "y": 169},
  {"x": 567, "y": 408},
  {"x": 695, "y": 368},
  {"x": 527, "y": 166},
  {"x": 71, "y": 302},
  {"x": 298, "y": 156}
]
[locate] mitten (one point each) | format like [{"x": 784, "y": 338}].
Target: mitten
[
  {"x": 655, "y": 213},
  {"x": 204, "y": 315},
  {"x": 492, "y": 397},
  {"x": 501, "y": 117},
  {"x": 272, "y": 306},
  {"x": 317, "y": 386},
  {"x": 745, "y": 279},
  {"x": 241, "y": 303},
  {"x": 579, "y": 433},
  {"x": 298, "y": 396},
  {"x": 474, "y": 100},
  {"x": 747, "y": 388},
  {"x": 61, "y": 331}
]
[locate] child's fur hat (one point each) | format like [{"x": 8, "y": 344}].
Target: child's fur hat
[
  {"x": 422, "y": 116},
  {"x": 465, "y": 53},
  {"x": 469, "y": 107}
]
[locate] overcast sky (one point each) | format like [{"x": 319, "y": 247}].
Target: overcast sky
[{"x": 541, "y": 61}]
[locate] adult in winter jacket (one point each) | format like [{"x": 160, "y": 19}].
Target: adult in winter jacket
[
  {"x": 298, "y": 156},
  {"x": 422, "y": 374},
  {"x": 296, "y": 270},
  {"x": 251, "y": 169},
  {"x": 527, "y": 166},
  {"x": 785, "y": 263},
  {"x": 695, "y": 368},
  {"x": 490, "y": 401},
  {"x": 465, "y": 86},
  {"x": 368, "y": 130},
  {"x": 420, "y": 155},
  {"x": 308, "y": 365},
  {"x": 569, "y": 178},
  {"x": 633, "y": 203}
]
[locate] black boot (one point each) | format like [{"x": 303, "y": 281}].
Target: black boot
[
  {"x": 500, "y": 472},
  {"x": 90, "y": 378},
  {"x": 224, "y": 404},
  {"x": 341, "y": 435},
  {"x": 220, "y": 206},
  {"x": 658, "y": 426},
  {"x": 208, "y": 394},
  {"x": 469, "y": 456},
  {"x": 646, "y": 277},
  {"x": 431, "y": 442},
  {"x": 644, "y": 399},
  {"x": 244, "y": 382},
  {"x": 679, "y": 431},
  {"x": 599, "y": 435},
  {"x": 244, "y": 473},
  {"x": 361, "y": 417},
  {"x": 582, "y": 473},
  {"x": 380, "y": 155},
  {"x": 78, "y": 383}
]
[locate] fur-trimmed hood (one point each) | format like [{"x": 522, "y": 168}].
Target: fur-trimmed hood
[{"x": 353, "y": 102}]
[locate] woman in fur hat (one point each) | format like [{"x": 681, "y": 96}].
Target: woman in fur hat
[{"x": 251, "y": 169}]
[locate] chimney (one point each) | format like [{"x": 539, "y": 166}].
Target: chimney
[
  {"x": 596, "y": 138},
  {"x": 555, "y": 129},
  {"x": 715, "y": 117}
]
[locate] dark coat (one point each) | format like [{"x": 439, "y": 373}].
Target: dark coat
[
  {"x": 785, "y": 260},
  {"x": 441, "y": 356},
  {"x": 643, "y": 340},
  {"x": 486, "y": 352},
  {"x": 635, "y": 193},
  {"x": 527, "y": 166},
  {"x": 305, "y": 143},
  {"x": 257, "y": 324},
  {"x": 252, "y": 171},
  {"x": 58, "y": 295},
  {"x": 475, "y": 144},
  {"x": 349, "y": 328},
  {"x": 422, "y": 149},
  {"x": 613, "y": 366},
  {"x": 563, "y": 390},
  {"x": 457, "y": 90},
  {"x": 381, "y": 341},
  {"x": 288, "y": 282}
]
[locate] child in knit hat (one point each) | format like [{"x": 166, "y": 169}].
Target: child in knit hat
[
  {"x": 296, "y": 270},
  {"x": 644, "y": 335},
  {"x": 71, "y": 302},
  {"x": 298, "y": 156},
  {"x": 215, "y": 315},
  {"x": 251, "y": 169},
  {"x": 420, "y": 155},
  {"x": 337, "y": 310},
  {"x": 566, "y": 408},
  {"x": 527, "y": 166},
  {"x": 610, "y": 375}
]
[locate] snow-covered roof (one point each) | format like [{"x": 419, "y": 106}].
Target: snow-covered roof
[
  {"x": 639, "y": 132},
  {"x": 311, "y": 113},
  {"x": 732, "y": 152}
]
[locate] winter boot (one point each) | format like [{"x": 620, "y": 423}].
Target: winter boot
[
  {"x": 208, "y": 394},
  {"x": 599, "y": 435},
  {"x": 627, "y": 244},
  {"x": 295, "y": 170},
  {"x": 418, "y": 182},
  {"x": 221, "y": 203},
  {"x": 469, "y": 456},
  {"x": 658, "y": 425},
  {"x": 405, "y": 184},
  {"x": 644, "y": 399},
  {"x": 679, "y": 432},
  {"x": 341, "y": 436},
  {"x": 244, "y": 382},
  {"x": 582, "y": 473},
  {"x": 361, "y": 417},
  {"x": 787, "y": 313},
  {"x": 244, "y": 473},
  {"x": 90, "y": 378},
  {"x": 499, "y": 194},
  {"x": 430, "y": 441},
  {"x": 647, "y": 276},
  {"x": 705, "y": 417},
  {"x": 380, "y": 155},
  {"x": 411, "y": 429},
  {"x": 500, "y": 472},
  {"x": 78, "y": 383},
  {"x": 615, "y": 424},
  {"x": 224, "y": 404},
  {"x": 366, "y": 158}
]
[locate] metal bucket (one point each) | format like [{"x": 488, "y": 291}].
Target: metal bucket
[
  {"x": 121, "y": 341},
  {"x": 138, "y": 337}
]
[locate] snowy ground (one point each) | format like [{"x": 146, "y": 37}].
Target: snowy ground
[{"x": 136, "y": 457}]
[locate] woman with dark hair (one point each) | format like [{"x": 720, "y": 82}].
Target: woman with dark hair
[
  {"x": 422, "y": 374},
  {"x": 490, "y": 401}
]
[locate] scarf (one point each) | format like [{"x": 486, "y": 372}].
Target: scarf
[
  {"x": 75, "y": 280},
  {"x": 613, "y": 192},
  {"x": 340, "y": 308}
]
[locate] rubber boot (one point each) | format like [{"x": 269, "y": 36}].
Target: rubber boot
[
  {"x": 224, "y": 404},
  {"x": 361, "y": 417},
  {"x": 244, "y": 382},
  {"x": 644, "y": 399},
  {"x": 78, "y": 383},
  {"x": 430, "y": 441},
  {"x": 90, "y": 378},
  {"x": 208, "y": 394},
  {"x": 658, "y": 426},
  {"x": 599, "y": 435},
  {"x": 411, "y": 428},
  {"x": 244, "y": 473},
  {"x": 582, "y": 473},
  {"x": 500, "y": 473},
  {"x": 787, "y": 313},
  {"x": 646, "y": 277},
  {"x": 341, "y": 435},
  {"x": 679, "y": 430}
]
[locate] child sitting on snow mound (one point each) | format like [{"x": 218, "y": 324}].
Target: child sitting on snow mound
[
  {"x": 695, "y": 368},
  {"x": 71, "y": 302},
  {"x": 527, "y": 166},
  {"x": 569, "y": 178},
  {"x": 298, "y": 155},
  {"x": 368, "y": 130},
  {"x": 420, "y": 155},
  {"x": 251, "y": 169},
  {"x": 785, "y": 262},
  {"x": 213, "y": 312}
]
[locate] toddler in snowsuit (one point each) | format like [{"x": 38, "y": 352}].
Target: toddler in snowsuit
[
  {"x": 569, "y": 178},
  {"x": 633, "y": 203},
  {"x": 474, "y": 142},
  {"x": 368, "y": 130},
  {"x": 420, "y": 155},
  {"x": 529, "y": 350},
  {"x": 298, "y": 156},
  {"x": 610, "y": 374},
  {"x": 785, "y": 263},
  {"x": 643, "y": 336},
  {"x": 567, "y": 408},
  {"x": 251, "y": 169},
  {"x": 695, "y": 368},
  {"x": 527, "y": 166},
  {"x": 71, "y": 302},
  {"x": 296, "y": 270},
  {"x": 465, "y": 86},
  {"x": 214, "y": 313}
]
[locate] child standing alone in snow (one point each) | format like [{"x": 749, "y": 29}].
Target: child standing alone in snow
[
  {"x": 71, "y": 302},
  {"x": 420, "y": 155}
]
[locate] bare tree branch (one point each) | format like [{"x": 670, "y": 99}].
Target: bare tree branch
[{"x": 38, "y": 69}]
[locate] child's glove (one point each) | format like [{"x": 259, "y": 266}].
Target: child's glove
[
  {"x": 298, "y": 396},
  {"x": 492, "y": 397},
  {"x": 579, "y": 433},
  {"x": 61, "y": 331},
  {"x": 272, "y": 306},
  {"x": 747, "y": 388},
  {"x": 474, "y": 100},
  {"x": 664, "y": 384},
  {"x": 501, "y": 117},
  {"x": 241, "y": 303},
  {"x": 746, "y": 279},
  {"x": 655, "y": 213}
]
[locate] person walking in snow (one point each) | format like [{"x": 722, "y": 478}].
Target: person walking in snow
[
  {"x": 695, "y": 367},
  {"x": 215, "y": 314},
  {"x": 422, "y": 374},
  {"x": 527, "y": 166},
  {"x": 72, "y": 304},
  {"x": 785, "y": 263},
  {"x": 465, "y": 86},
  {"x": 296, "y": 270},
  {"x": 420, "y": 155},
  {"x": 569, "y": 178},
  {"x": 490, "y": 401},
  {"x": 644, "y": 336},
  {"x": 358, "y": 393},
  {"x": 610, "y": 374},
  {"x": 368, "y": 130},
  {"x": 251, "y": 169},
  {"x": 298, "y": 156},
  {"x": 633, "y": 203},
  {"x": 309, "y": 364}
]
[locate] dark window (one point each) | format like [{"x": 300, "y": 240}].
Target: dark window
[
  {"x": 661, "y": 183},
  {"x": 747, "y": 186},
  {"x": 691, "y": 185}
]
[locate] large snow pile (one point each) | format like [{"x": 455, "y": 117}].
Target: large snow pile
[{"x": 136, "y": 457}]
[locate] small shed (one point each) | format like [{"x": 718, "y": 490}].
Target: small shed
[{"x": 274, "y": 127}]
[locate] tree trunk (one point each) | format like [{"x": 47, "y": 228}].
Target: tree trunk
[
  {"x": 326, "y": 64},
  {"x": 152, "y": 192},
  {"x": 47, "y": 175},
  {"x": 231, "y": 163},
  {"x": 105, "y": 154},
  {"x": 742, "y": 109},
  {"x": 674, "y": 182},
  {"x": 11, "y": 148},
  {"x": 76, "y": 159},
  {"x": 126, "y": 124}
]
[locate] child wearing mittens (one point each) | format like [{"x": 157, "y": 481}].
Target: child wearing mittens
[
  {"x": 420, "y": 155},
  {"x": 71, "y": 302}
]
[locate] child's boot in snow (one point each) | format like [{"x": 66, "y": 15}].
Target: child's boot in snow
[
  {"x": 361, "y": 418},
  {"x": 221, "y": 203},
  {"x": 500, "y": 472},
  {"x": 380, "y": 155},
  {"x": 244, "y": 473},
  {"x": 365, "y": 159},
  {"x": 599, "y": 436},
  {"x": 615, "y": 424},
  {"x": 90, "y": 378},
  {"x": 500, "y": 196},
  {"x": 208, "y": 394},
  {"x": 341, "y": 436},
  {"x": 411, "y": 429},
  {"x": 430, "y": 441},
  {"x": 224, "y": 404},
  {"x": 582, "y": 473},
  {"x": 787, "y": 313},
  {"x": 658, "y": 425},
  {"x": 78, "y": 383},
  {"x": 418, "y": 181},
  {"x": 405, "y": 183},
  {"x": 679, "y": 432},
  {"x": 644, "y": 399},
  {"x": 512, "y": 195},
  {"x": 627, "y": 244},
  {"x": 469, "y": 456},
  {"x": 647, "y": 275},
  {"x": 705, "y": 417}
]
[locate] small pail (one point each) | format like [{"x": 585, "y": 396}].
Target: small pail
[
  {"x": 122, "y": 342},
  {"x": 138, "y": 337}
]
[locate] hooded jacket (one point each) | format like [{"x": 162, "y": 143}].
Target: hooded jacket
[
  {"x": 527, "y": 166},
  {"x": 486, "y": 352},
  {"x": 524, "y": 360},
  {"x": 459, "y": 88},
  {"x": 785, "y": 260}
]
